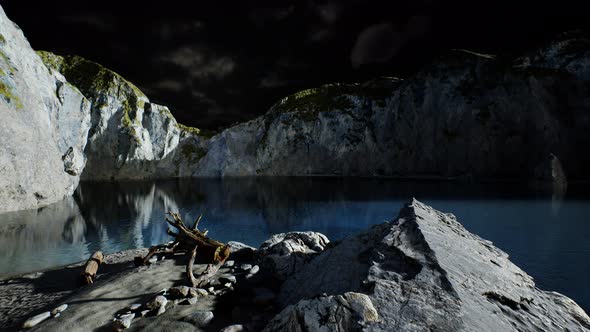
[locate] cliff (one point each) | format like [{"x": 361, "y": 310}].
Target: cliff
[{"x": 468, "y": 115}]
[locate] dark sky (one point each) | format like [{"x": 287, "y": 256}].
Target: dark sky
[{"x": 216, "y": 63}]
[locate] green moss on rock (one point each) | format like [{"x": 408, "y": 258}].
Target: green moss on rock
[
  {"x": 196, "y": 131},
  {"x": 2, "y": 39},
  {"x": 8, "y": 94}
]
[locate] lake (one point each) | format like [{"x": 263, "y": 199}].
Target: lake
[{"x": 547, "y": 235}]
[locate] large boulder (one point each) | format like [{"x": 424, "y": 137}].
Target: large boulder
[
  {"x": 423, "y": 272},
  {"x": 43, "y": 128},
  {"x": 284, "y": 254}
]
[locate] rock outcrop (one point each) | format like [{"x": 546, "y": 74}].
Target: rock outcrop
[
  {"x": 284, "y": 254},
  {"x": 421, "y": 272},
  {"x": 45, "y": 122},
  {"x": 130, "y": 138}
]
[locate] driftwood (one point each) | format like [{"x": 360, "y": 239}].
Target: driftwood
[
  {"x": 89, "y": 274},
  {"x": 195, "y": 243}
]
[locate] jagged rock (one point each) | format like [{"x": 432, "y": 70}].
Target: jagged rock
[
  {"x": 348, "y": 312},
  {"x": 550, "y": 171},
  {"x": 157, "y": 302},
  {"x": 179, "y": 291},
  {"x": 284, "y": 254},
  {"x": 200, "y": 318},
  {"x": 135, "y": 306},
  {"x": 35, "y": 320},
  {"x": 425, "y": 272},
  {"x": 240, "y": 251},
  {"x": 254, "y": 269},
  {"x": 233, "y": 328},
  {"x": 123, "y": 322},
  {"x": 229, "y": 263},
  {"x": 45, "y": 122},
  {"x": 59, "y": 309},
  {"x": 196, "y": 292}
]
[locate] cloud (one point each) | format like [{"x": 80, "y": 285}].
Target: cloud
[
  {"x": 200, "y": 62},
  {"x": 102, "y": 23},
  {"x": 377, "y": 43}
]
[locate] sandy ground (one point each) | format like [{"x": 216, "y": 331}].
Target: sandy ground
[{"x": 120, "y": 284}]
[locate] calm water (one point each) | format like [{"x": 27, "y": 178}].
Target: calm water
[{"x": 548, "y": 237}]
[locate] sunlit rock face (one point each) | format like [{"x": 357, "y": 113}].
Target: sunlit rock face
[
  {"x": 130, "y": 138},
  {"x": 43, "y": 127}
]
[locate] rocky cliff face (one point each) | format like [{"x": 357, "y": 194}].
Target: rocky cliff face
[
  {"x": 421, "y": 272},
  {"x": 130, "y": 138},
  {"x": 467, "y": 115},
  {"x": 45, "y": 122}
]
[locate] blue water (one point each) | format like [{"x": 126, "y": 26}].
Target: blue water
[{"x": 547, "y": 235}]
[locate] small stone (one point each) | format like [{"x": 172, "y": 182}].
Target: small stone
[
  {"x": 254, "y": 269},
  {"x": 143, "y": 313},
  {"x": 199, "y": 318},
  {"x": 153, "y": 260},
  {"x": 229, "y": 263},
  {"x": 228, "y": 279},
  {"x": 233, "y": 328},
  {"x": 196, "y": 292},
  {"x": 134, "y": 306},
  {"x": 57, "y": 315},
  {"x": 246, "y": 267},
  {"x": 179, "y": 292},
  {"x": 162, "y": 258},
  {"x": 228, "y": 285},
  {"x": 161, "y": 310},
  {"x": 123, "y": 322},
  {"x": 192, "y": 300},
  {"x": 59, "y": 309},
  {"x": 211, "y": 290},
  {"x": 36, "y": 320},
  {"x": 157, "y": 302}
]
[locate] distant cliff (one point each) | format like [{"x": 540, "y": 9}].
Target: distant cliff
[{"x": 467, "y": 115}]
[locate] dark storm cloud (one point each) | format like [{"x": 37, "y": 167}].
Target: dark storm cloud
[
  {"x": 200, "y": 62},
  {"x": 103, "y": 23}
]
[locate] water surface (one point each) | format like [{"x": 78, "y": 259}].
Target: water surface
[{"x": 548, "y": 237}]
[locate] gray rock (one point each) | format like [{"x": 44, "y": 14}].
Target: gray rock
[
  {"x": 135, "y": 306},
  {"x": 196, "y": 292},
  {"x": 44, "y": 126},
  {"x": 192, "y": 300},
  {"x": 550, "y": 172},
  {"x": 245, "y": 267},
  {"x": 144, "y": 313},
  {"x": 424, "y": 271},
  {"x": 57, "y": 315},
  {"x": 228, "y": 279},
  {"x": 233, "y": 328},
  {"x": 157, "y": 302},
  {"x": 254, "y": 269},
  {"x": 179, "y": 291},
  {"x": 35, "y": 320},
  {"x": 59, "y": 309},
  {"x": 229, "y": 263},
  {"x": 199, "y": 318},
  {"x": 161, "y": 310},
  {"x": 241, "y": 251},
  {"x": 284, "y": 254},
  {"x": 123, "y": 322},
  {"x": 347, "y": 312}
]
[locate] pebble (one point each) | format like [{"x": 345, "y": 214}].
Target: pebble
[
  {"x": 134, "y": 306},
  {"x": 196, "y": 292},
  {"x": 226, "y": 279},
  {"x": 57, "y": 315},
  {"x": 246, "y": 267},
  {"x": 153, "y": 260},
  {"x": 36, "y": 320},
  {"x": 157, "y": 302},
  {"x": 59, "y": 309},
  {"x": 192, "y": 300},
  {"x": 143, "y": 313},
  {"x": 179, "y": 291},
  {"x": 229, "y": 263},
  {"x": 211, "y": 290},
  {"x": 123, "y": 322},
  {"x": 254, "y": 269},
  {"x": 199, "y": 318},
  {"x": 233, "y": 328}
]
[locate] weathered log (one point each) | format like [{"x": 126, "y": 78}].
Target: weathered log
[{"x": 91, "y": 269}]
